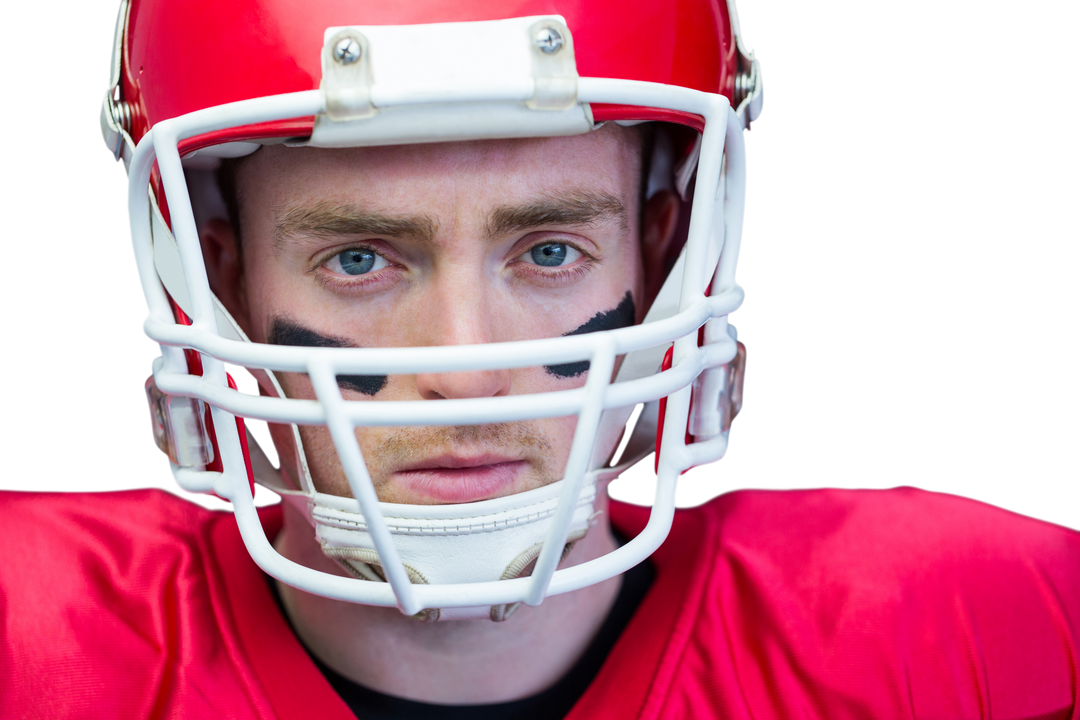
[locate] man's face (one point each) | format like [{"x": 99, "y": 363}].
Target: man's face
[{"x": 443, "y": 244}]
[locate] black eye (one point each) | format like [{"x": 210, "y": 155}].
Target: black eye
[
  {"x": 550, "y": 255},
  {"x": 357, "y": 261}
]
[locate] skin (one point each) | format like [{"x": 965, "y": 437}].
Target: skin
[{"x": 454, "y": 226}]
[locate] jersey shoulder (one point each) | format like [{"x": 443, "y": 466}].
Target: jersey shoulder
[
  {"x": 864, "y": 602},
  {"x": 120, "y": 596}
]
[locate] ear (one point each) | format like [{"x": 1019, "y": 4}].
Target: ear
[
  {"x": 225, "y": 269},
  {"x": 657, "y": 241}
]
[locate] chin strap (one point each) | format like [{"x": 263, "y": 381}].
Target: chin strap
[{"x": 496, "y": 539}]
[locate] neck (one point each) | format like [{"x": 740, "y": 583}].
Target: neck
[{"x": 457, "y": 662}]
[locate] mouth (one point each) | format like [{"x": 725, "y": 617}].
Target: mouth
[{"x": 457, "y": 479}]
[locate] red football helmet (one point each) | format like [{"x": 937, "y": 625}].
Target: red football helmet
[{"x": 195, "y": 82}]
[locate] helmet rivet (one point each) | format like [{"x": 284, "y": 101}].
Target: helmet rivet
[
  {"x": 347, "y": 51},
  {"x": 549, "y": 40}
]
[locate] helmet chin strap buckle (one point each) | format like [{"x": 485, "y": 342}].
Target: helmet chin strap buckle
[
  {"x": 717, "y": 397},
  {"x": 179, "y": 425}
]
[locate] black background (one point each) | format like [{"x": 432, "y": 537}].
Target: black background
[{"x": 879, "y": 347}]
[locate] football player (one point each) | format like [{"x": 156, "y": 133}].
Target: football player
[{"x": 456, "y": 245}]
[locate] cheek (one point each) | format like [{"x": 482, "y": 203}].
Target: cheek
[
  {"x": 561, "y": 433},
  {"x": 296, "y": 386},
  {"x": 267, "y": 296},
  {"x": 558, "y": 430},
  {"x": 326, "y": 471}
]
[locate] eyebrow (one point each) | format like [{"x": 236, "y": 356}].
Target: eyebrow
[
  {"x": 328, "y": 220},
  {"x": 574, "y": 207}
]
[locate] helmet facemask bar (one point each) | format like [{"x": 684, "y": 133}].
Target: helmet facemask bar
[{"x": 342, "y": 417}]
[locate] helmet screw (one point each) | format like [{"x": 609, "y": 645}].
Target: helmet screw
[
  {"x": 549, "y": 40},
  {"x": 122, "y": 115},
  {"x": 743, "y": 85},
  {"x": 347, "y": 51}
]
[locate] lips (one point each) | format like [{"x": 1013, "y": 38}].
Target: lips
[{"x": 460, "y": 479}]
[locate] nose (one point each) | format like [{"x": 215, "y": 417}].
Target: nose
[
  {"x": 475, "y": 384},
  {"x": 462, "y": 323}
]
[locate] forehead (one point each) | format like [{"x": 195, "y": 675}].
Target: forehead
[{"x": 607, "y": 159}]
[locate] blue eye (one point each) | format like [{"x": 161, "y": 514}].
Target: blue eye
[
  {"x": 357, "y": 261},
  {"x": 549, "y": 255}
]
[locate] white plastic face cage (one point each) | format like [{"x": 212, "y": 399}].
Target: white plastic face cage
[{"x": 505, "y": 106}]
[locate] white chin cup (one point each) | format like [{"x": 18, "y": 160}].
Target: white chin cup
[{"x": 496, "y": 539}]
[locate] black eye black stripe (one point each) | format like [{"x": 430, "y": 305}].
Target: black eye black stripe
[
  {"x": 618, "y": 317},
  {"x": 286, "y": 332}
]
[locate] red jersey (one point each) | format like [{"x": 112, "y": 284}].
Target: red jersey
[{"x": 820, "y": 604}]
